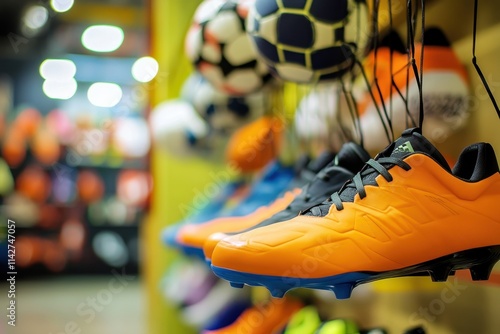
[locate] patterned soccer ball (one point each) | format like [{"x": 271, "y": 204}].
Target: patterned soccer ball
[
  {"x": 307, "y": 41},
  {"x": 223, "y": 113},
  {"x": 222, "y": 51}
]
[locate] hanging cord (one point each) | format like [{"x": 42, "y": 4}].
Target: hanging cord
[
  {"x": 411, "y": 26},
  {"x": 476, "y": 66},
  {"x": 391, "y": 64},
  {"x": 385, "y": 117},
  {"x": 422, "y": 52},
  {"x": 408, "y": 42},
  {"x": 411, "y": 37},
  {"x": 344, "y": 136},
  {"x": 393, "y": 85},
  {"x": 353, "y": 109},
  {"x": 370, "y": 91}
]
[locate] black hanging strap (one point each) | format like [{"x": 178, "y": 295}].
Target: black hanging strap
[
  {"x": 411, "y": 38},
  {"x": 476, "y": 66}
]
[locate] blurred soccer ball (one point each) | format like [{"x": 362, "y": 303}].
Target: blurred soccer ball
[
  {"x": 223, "y": 113},
  {"x": 309, "y": 41},
  {"x": 222, "y": 51},
  {"x": 178, "y": 129}
]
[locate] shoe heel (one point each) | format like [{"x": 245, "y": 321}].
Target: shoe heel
[
  {"x": 343, "y": 291},
  {"x": 440, "y": 274},
  {"x": 482, "y": 271}
]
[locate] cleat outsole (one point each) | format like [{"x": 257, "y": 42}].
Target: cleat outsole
[
  {"x": 479, "y": 261},
  {"x": 343, "y": 291},
  {"x": 237, "y": 285},
  {"x": 481, "y": 272},
  {"x": 440, "y": 274}
]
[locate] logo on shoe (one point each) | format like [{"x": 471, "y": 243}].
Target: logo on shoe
[{"x": 404, "y": 148}]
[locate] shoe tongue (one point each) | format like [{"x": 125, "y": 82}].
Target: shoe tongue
[
  {"x": 321, "y": 162},
  {"x": 411, "y": 142},
  {"x": 301, "y": 163},
  {"x": 352, "y": 157},
  {"x": 308, "y": 173}
]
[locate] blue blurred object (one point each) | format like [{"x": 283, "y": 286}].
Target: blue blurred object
[
  {"x": 210, "y": 211},
  {"x": 274, "y": 180},
  {"x": 228, "y": 315}
]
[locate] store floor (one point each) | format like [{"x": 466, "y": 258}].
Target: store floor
[{"x": 79, "y": 305}]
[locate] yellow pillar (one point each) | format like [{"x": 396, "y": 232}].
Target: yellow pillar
[{"x": 176, "y": 181}]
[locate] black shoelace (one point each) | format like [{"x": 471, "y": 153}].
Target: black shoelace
[{"x": 377, "y": 166}]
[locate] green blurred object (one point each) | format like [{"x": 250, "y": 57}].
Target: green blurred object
[
  {"x": 306, "y": 321},
  {"x": 338, "y": 326},
  {"x": 6, "y": 178}
]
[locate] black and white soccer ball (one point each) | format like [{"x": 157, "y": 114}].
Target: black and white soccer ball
[
  {"x": 223, "y": 114},
  {"x": 309, "y": 41},
  {"x": 221, "y": 50}
]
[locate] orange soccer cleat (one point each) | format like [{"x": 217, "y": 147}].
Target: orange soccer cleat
[
  {"x": 329, "y": 178},
  {"x": 193, "y": 236},
  {"x": 405, "y": 213},
  {"x": 270, "y": 318}
]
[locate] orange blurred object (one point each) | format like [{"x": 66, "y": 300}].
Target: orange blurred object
[
  {"x": 14, "y": 148},
  {"x": 29, "y": 250},
  {"x": 54, "y": 256},
  {"x": 90, "y": 186},
  {"x": 49, "y": 216},
  {"x": 27, "y": 122},
  {"x": 34, "y": 183},
  {"x": 2, "y": 125},
  {"x": 134, "y": 187},
  {"x": 253, "y": 146},
  {"x": 72, "y": 235},
  {"x": 45, "y": 146},
  {"x": 263, "y": 318}
]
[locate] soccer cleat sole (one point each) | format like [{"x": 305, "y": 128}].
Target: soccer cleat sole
[{"x": 480, "y": 262}]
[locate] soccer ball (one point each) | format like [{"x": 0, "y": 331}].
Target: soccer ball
[
  {"x": 309, "y": 41},
  {"x": 318, "y": 117},
  {"x": 223, "y": 113},
  {"x": 222, "y": 51},
  {"x": 177, "y": 128}
]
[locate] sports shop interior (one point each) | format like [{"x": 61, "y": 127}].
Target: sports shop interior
[{"x": 250, "y": 166}]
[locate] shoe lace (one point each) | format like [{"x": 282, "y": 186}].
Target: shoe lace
[{"x": 358, "y": 182}]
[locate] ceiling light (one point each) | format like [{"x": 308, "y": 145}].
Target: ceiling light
[
  {"x": 36, "y": 17},
  {"x": 61, "y": 6},
  {"x": 145, "y": 69},
  {"x": 57, "y": 69},
  {"x": 60, "y": 89},
  {"x": 102, "y": 38},
  {"x": 104, "y": 94}
]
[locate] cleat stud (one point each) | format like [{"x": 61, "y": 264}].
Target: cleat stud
[
  {"x": 440, "y": 274},
  {"x": 343, "y": 291},
  {"x": 277, "y": 293},
  {"x": 481, "y": 272},
  {"x": 237, "y": 285}
]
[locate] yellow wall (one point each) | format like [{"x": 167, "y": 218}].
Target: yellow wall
[{"x": 176, "y": 181}]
